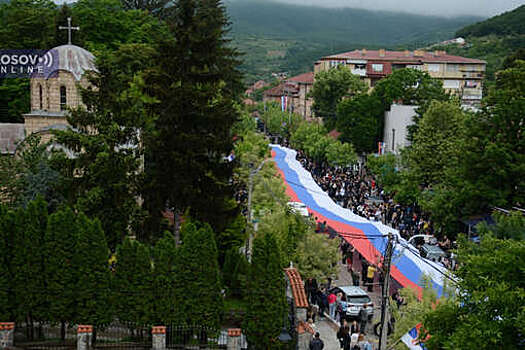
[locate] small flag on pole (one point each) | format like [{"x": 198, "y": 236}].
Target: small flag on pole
[{"x": 411, "y": 339}]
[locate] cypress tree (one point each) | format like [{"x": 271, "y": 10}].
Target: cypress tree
[
  {"x": 166, "y": 300},
  {"x": 28, "y": 279},
  {"x": 132, "y": 287},
  {"x": 198, "y": 276},
  {"x": 266, "y": 294},
  {"x": 60, "y": 241},
  {"x": 6, "y": 234},
  {"x": 91, "y": 264},
  {"x": 197, "y": 83}
]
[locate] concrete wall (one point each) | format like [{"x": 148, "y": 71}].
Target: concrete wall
[{"x": 395, "y": 132}]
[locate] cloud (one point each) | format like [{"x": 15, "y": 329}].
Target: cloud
[{"x": 484, "y": 8}]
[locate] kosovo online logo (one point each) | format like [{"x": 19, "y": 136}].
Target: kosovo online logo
[{"x": 28, "y": 63}]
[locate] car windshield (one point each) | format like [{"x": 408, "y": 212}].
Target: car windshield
[{"x": 358, "y": 299}]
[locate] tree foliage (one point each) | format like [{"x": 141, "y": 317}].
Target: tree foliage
[
  {"x": 132, "y": 294},
  {"x": 198, "y": 274},
  {"x": 330, "y": 87},
  {"x": 266, "y": 294},
  {"x": 488, "y": 312},
  {"x": 360, "y": 120},
  {"x": 60, "y": 275},
  {"x": 90, "y": 263},
  {"x": 196, "y": 82},
  {"x": 110, "y": 159}
]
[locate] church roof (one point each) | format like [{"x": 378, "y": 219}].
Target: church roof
[{"x": 75, "y": 60}]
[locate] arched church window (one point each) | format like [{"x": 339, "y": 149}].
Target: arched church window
[
  {"x": 40, "y": 96},
  {"x": 63, "y": 98}
]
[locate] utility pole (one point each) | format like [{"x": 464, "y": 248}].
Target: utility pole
[{"x": 385, "y": 293}]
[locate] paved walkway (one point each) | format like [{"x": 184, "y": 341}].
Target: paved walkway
[{"x": 328, "y": 329}]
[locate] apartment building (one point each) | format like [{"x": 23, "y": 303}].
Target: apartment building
[
  {"x": 461, "y": 76},
  {"x": 293, "y": 93}
]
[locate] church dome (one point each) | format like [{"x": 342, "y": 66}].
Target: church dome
[{"x": 73, "y": 59}]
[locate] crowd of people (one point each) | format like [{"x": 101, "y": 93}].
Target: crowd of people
[{"x": 355, "y": 188}]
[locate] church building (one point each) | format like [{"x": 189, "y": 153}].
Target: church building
[{"x": 51, "y": 95}]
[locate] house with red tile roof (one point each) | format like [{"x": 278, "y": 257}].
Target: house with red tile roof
[
  {"x": 295, "y": 91},
  {"x": 461, "y": 76}
]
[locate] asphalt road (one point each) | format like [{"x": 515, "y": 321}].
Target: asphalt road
[{"x": 328, "y": 328}]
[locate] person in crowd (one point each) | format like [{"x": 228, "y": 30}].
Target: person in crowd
[
  {"x": 354, "y": 328},
  {"x": 343, "y": 335},
  {"x": 370, "y": 277},
  {"x": 363, "y": 343},
  {"x": 332, "y": 304},
  {"x": 323, "y": 303},
  {"x": 316, "y": 343}
]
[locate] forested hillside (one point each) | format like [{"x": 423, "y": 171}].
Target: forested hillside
[
  {"x": 493, "y": 40},
  {"x": 284, "y": 37}
]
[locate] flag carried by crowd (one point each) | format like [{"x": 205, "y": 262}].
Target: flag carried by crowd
[{"x": 368, "y": 237}]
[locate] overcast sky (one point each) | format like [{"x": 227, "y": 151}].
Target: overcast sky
[{"x": 484, "y": 8}]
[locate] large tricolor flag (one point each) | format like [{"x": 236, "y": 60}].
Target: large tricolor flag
[{"x": 368, "y": 237}]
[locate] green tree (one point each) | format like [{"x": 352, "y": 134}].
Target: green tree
[
  {"x": 340, "y": 154},
  {"x": 410, "y": 87},
  {"x": 166, "y": 301},
  {"x": 132, "y": 283},
  {"x": 435, "y": 146},
  {"x": 198, "y": 274},
  {"x": 60, "y": 276},
  {"x": 330, "y": 87},
  {"x": 317, "y": 256},
  {"x": 266, "y": 294},
  {"x": 508, "y": 226},
  {"x": 488, "y": 311},
  {"x": 29, "y": 279},
  {"x": 360, "y": 120},
  {"x": 92, "y": 288},
  {"x": 494, "y": 151},
  {"x": 7, "y": 235},
  {"x": 30, "y": 174},
  {"x": 197, "y": 83},
  {"x": 109, "y": 160},
  {"x": 385, "y": 169},
  {"x": 232, "y": 237}
]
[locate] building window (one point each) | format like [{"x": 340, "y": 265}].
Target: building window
[
  {"x": 393, "y": 139},
  {"x": 432, "y": 67},
  {"x": 377, "y": 67},
  {"x": 451, "y": 84},
  {"x": 40, "y": 97},
  {"x": 63, "y": 98},
  {"x": 453, "y": 68}
]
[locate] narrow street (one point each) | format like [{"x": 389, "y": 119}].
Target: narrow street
[{"x": 328, "y": 328}]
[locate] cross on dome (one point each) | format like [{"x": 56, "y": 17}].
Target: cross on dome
[{"x": 69, "y": 28}]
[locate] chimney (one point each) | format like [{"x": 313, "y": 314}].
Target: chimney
[
  {"x": 381, "y": 52},
  {"x": 363, "y": 52}
]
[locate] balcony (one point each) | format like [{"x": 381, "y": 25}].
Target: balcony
[{"x": 359, "y": 71}]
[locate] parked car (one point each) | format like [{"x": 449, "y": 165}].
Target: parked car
[
  {"x": 357, "y": 300},
  {"x": 427, "y": 246}
]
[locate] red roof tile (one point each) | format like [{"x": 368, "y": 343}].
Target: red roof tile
[
  {"x": 282, "y": 89},
  {"x": 297, "y": 285},
  {"x": 405, "y": 56},
  {"x": 307, "y": 78}
]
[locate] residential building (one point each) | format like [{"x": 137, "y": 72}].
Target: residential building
[
  {"x": 461, "y": 76},
  {"x": 395, "y": 132},
  {"x": 294, "y": 91}
]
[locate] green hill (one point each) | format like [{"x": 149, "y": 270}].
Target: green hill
[
  {"x": 493, "y": 40},
  {"x": 283, "y": 37}
]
